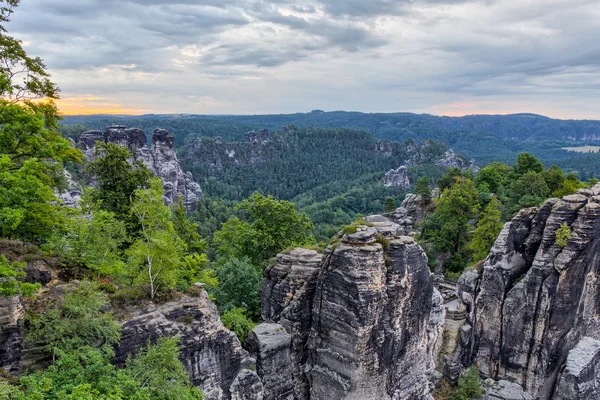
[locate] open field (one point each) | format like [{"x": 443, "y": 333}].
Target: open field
[{"x": 583, "y": 149}]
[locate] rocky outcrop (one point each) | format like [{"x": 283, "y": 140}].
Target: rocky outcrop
[
  {"x": 452, "y": 160},
  {"x": 70, "y": 197},
  {"x": 364, "y": 322},
  {"x": 581, "y": 376},
  {"x": 160, "y": 159},
  {"x": 397, "y": 178},
  {"x": 535, "y": 301},
  {"x": 11, "y": 333},
  {"x": 287, "y": 298},
  {"x": 504, "y": 390},
  {"x": 212, "y": 355},
  {"x": 271, "y": 344}
]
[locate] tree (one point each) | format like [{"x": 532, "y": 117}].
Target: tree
[
  {"x": 468, "y": 386},
  {"x": 390, "y": 204},
  {"x": 196, "y": 268},
  {"x": 488, "y": 228},
  {"x": 455, "y": 208},
  {"x": 271, "y": 227},
  {"x": 563, "y": 234},
  {"x": 117, "y": 182},
  {"x": 240, "y": 286},
  {"x": 554, "y": 178},
  {"x": 527, "y": 162},
  {"x": 155, "y": 257},
  {"x": 160, "y": 374},
  {"x": 187, "y": 230},
  {"x": 10, "y": 284},
  {"x": 236, "y": 320},
  {"x": 423, "y": 189},
  {"x": 490, "y": 176},
  {"x": 76, "y": 321},
  {"x": 91, "y": 238}
]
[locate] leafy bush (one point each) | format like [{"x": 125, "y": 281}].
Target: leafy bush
[
  {"x": 563, "y": 234},
  {"x": 236, "y": 320},
  {"x": 468, "y": 385}
]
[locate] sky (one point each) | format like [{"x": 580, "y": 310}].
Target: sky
[{"x": 442, "y": 57}]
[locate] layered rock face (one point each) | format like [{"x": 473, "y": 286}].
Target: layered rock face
[
  {"x": 212, "y": 355},
  {"x": 11, "y": 333},
  {"x": 535, "y": 302},
  {"x": 397, "y": 178},
  {"x": 160, "y": 159},
  {"x": 364, "y": 322}
]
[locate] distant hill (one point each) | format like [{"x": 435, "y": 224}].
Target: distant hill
[{"x": 484, "y": 137}]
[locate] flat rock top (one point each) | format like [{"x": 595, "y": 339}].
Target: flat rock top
[
  {"x": 376, "y": 218},
  {"x": 301, "y": 252},
  {"x": 364, "y": 234},
  {"x": 582, "y": 355},
  {"x": 271, "y": 336},
  {"x": 504, "y": 390}
]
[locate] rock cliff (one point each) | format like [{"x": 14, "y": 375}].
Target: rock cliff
[
  {"x": 160, "y": 158},
  {"x": 363, "y": 321},
  {"x": 534, "y": 311},
  {"x": 212, "y": 355},
  {"x": 397, "y": 178}
]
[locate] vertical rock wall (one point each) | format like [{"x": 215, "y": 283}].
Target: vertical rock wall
[
  {"x": 535, "y": 300},
  {"x": 160, "y": 159}
]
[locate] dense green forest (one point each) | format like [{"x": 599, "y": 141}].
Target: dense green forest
[{"x": 487, "y": 138}]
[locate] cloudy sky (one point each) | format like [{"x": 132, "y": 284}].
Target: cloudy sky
[{"x": 267, "y": 56}]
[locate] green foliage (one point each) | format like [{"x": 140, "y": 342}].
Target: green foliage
[
  {"x": 563, "y": 234},
  {"x": 186, "y": 229},
  {"x": 270, "y": 227},
  {"x": 196, "y": 268},
  {"x": 528, "y": 163},
  {"x": 236, "y": 320},
  {"x": 91, "y": 238},
  {"x": 159, "y": 373},
  {"x": 155, "y": 257},
  {"x": 117, "y": 182},
  {"x": 455, "y": 208},
  {"x": 31, "y": 156},
  {"x": 468, "y": 385},
  {"x": 423, "y": 189},
  {"x": 87, "y": 374},
  {"x": 240, "y": 287},
  {"x": 390, "y": 204},
  {"x": 10, "y": 285},
  {"x": 491, "y": 176},
  {"x": 77, "y": 320},
  {"x": 488, "y": 228}
]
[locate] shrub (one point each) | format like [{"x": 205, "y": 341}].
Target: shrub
[
  {"x": 237, "y": 321},
  {"x": 563, "y": 234}
]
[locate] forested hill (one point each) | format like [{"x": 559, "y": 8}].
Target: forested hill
[
  {"x": 295, "y": 161},
  {"x": 485, "y": 137}
]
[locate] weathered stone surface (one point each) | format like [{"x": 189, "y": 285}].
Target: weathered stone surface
[
  {"x": 581, "y": 377},
  {"x": 160, "y": 159},
  {"x": 247, "y": 386},
  {"x": 535, "y": 300},
  {"x": 374, "y": 319},
  {"x": 452, "y": 160},
  {"x": 504, "y": 390},
  {"x": 212, "y": 355},
  {"x": 397, "y": 178},
  {"x": 372, "y": 323},
  {"x": 287, "y": 298},
  {"x": 11, "y": 333},
  {"x": 271, "y": 344}
]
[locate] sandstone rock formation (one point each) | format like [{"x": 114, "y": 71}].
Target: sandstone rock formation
[
  {"x": 11, "y": 333},
  {"x": 396, "y": 178},
  {"x": 452, "y": 160},
  {"x": 212, "y": 355},
  {"x": 160, "y": 159},
  {"x": 364, "y": 322},
  {"x": 535, "y": 307}
]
